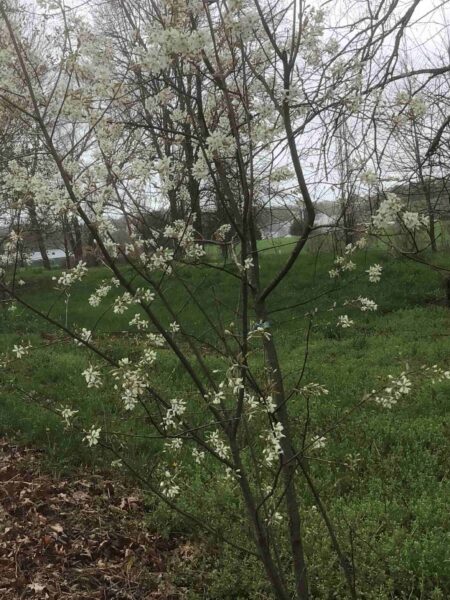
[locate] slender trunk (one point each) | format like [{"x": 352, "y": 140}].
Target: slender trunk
[
  {"x": 37, "y": 230},
  {"x": 66, "y": 241},
  {"x": 192, "y": 184},
  {"x": 425, "y": 183},
  {"x": 349, "y": 222},
  {"x": 172, "y": 195},
  {"x": 430, "y": 209},
  {"x": 260, "y": 532},
  {"x": 433, "y": 233},
  {"x": 289, "y": 468},
  {"x": 78, "y": 242},
  {"x": 22, "y": 257},
  {"x": 91, "y": 256}
]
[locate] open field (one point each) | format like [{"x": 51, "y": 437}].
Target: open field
[{"x": 383, "y": 475}]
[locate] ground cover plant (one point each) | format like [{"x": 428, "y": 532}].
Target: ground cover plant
[{"x": 384, "y": 478}]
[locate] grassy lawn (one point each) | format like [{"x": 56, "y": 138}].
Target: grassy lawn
[{"x": 383, "y": 475}]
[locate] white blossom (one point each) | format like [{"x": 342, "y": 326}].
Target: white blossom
[
  {"x": 366, "y": 305},
  {"x": 271, "y": 405},
  {"x": 438, "y": 374},
  {"x": 374, "y": 272},
  {"x": 318, "y": 442},
  {"x": 369, "y": 177},
  {"x": 185, "y": 235},
  {"x": 174, "y": 327},
  {"x": 345, "y": 322},
  {"x": 20, "y": 351},
  {"x": 388, "y": 211},
  {"x": 275, "y": 518},
  {"x": 222, "y": 231},
  {"x": 156, "y": 339},
  {"x": 176, "y": 410},
  {"x": 218, "y": 444},
  {"x": 92, "y": 436},
  {"x": 68, "y": 278},
  {"x": 174, "y": 444},
  {"x": 67, "y": 414},
  {"x": 92, "y": 376},
  {"x": 169, "y": 487},
  {"x": 198, "y": 455},
  {"x": 413, "y": 220},
  {"x": 122, "y": 303},
  {"x": 348, "y": 266},
  {"x": 397, "y": 388},
  {"x": 139, "y": 321},
  {"x": 220, "y": 144},
  {"x": 85, "y": 335},
  {"x": 100, "y": 293},
  {"x": 273, "y": 448},
  {"x": 236, "y": 384},
  {"x": 218, "y": 395},
  {"x": 314, "y": 390},
  {"x": 133, "y": 382}
]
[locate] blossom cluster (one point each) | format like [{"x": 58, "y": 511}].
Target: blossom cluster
[
  {"x": 272, "y": 448},
  {"x": 92, "y": 377},
  {"x": 344, "y": 263},
  {"x": 185, "y": 236},
  {"x": 168, "y": 485},
  {"x": 218, "y": 444},
  {"x": 374, "y": 272},
  {"x": 92, "y": 436},
  {"x": 68, "y": 278},
  {"x": 132, "y": 379},
  {"x": 165, "y": 44},
  {"x": 314, "y": 390},
  {"x": 159, "y": 259},
  {"x": 85, "y": 335},
  {"x": 176, "y": 410},
  {"x": 141, "y": 296},
  {"x": 345, "y": 322},
  {"x": 392, "y": 210},
  {"x": 102, "y": 291},
  {"x": 390, "y": 395},
  {"x": 67, "y": 414},
  {"x": 20, "y": 350},
  {"x": 11, "y": 245}
]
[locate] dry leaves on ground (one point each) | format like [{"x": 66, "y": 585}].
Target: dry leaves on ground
[{"x": 76, "y": 539}]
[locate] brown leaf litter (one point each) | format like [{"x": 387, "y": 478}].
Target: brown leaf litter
[{"x": 77, "y": 539}]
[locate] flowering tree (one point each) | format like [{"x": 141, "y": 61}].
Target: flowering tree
[
  {"x": 174, "y": 107},
  {"x": 418, "y": 131}
]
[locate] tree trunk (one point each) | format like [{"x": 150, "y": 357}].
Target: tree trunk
[
  {"x": 192, "y": 184},
  {"x": 349, "y": 222},
  {"x": 430, "y": 210},
  {"x": 425, "y": 183},
  {"x": 65, "y": 228},
  {"x": 432, "y": 230},
  {"x": 37, "y": 230},
  {"x": 91, "y": 256},
  {"x": 289, "y": 467},
  {"x": 260, "y": 532},
  {"x": 78, "y": 245}
]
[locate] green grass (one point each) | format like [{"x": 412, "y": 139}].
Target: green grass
[{"x": 390, "y": 507}]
